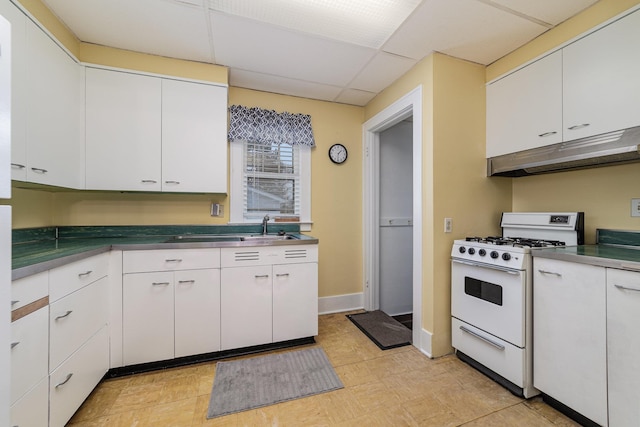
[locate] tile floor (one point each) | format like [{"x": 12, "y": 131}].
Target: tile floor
[{"x": 397, "y": 387}]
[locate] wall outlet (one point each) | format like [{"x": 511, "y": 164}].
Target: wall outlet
[
  {"x": 448, "y": 225},
  {"x": 217, "y": 209},
  {"x": 635, "y": 207}
]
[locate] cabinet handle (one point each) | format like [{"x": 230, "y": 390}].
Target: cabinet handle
[
  {"x": 282, "y": 275},
  {"x": 544, "y": 135},
  {"x": 17, "y": 166},
  {"x": 62, "y": 316},
  {"x": 149, "y": 181},
  {"x": 66, "y": 380},
  {"x": 14, "y": 302},
  {"x": 173, "y": 260},
  {"x": 161, "y": 283},
  {"x": 261, "y": 276},
  {"x": 86, "y": 273},
  {"x": 14, "y": 344},
  {"x": 576, "y": 127},
  {"x": 480, "y": 337},
  {"x": 625, "y": 288},
  {"x": 172, "y": 182},
  {"x": 39, "y": 170},
  {"x": 550, "y": 272},
  {"x": 186, "y": 281}
]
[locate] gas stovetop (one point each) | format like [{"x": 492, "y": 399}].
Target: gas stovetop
[{"x": 522, "y": 242}]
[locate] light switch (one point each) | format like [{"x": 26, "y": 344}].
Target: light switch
[
  {"x": 448, "y": 225},
  {"x": 635, "y": 207}
]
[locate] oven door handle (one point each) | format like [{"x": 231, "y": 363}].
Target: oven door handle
[
  {"x": 480, "y": 337},
  {"x": 490, "y": 267}
]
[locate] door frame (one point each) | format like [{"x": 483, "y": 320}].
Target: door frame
[{"x": 407, "y": 106}]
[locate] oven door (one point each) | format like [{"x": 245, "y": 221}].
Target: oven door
[{"x": 490, "y": 298}]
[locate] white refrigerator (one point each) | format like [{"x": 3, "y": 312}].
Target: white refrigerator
[{"x": 5, "y": 218}]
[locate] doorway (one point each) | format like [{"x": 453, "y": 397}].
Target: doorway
[{"x": 409, "y": 106}]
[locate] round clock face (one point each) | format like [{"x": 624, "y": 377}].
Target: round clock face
[{"x": 338, "y": 153}]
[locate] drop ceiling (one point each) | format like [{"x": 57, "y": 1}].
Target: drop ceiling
[{"x": 329, "y": 50}]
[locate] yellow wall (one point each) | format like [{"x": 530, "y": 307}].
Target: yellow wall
[
  {"x": 603, "y": 194},
  {"x": 454, "y": 175}
]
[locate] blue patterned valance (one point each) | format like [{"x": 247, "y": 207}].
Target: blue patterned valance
[{"x": 267, "y": 127}]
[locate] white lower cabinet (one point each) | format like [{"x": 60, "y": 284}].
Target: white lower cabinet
[
  {"x": 295, "y": 301},
  {"x": 32, "y": 408},
  {"x": 569, "y": 335},
  {"x": 73, "y": 381},
  {"x": 623, "y": 346}
]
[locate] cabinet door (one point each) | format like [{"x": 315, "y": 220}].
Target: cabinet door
[
  {"x": 194, "y": 137},
  {"x": 246, "y": 306},
  {"x": 122, "y": 131},
  {"x": 601, "y": 86},
  {"x": 33, "y": 408},
  {"x": 569, "y": 335},
  {"x": 524, "y": 109},
  {"x": 29, "y": 351},
  {"x": 148, "y": 312},
  {"x": 18, "y": 89},
  {"x": 623, "y": 346},
  {"x": 295, "y": 301},
  {"x": 197, "y": 312},
  {"x": 55, "y": 148}
]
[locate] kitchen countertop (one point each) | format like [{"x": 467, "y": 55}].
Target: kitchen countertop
[
  {"x": 613, "y": 256},
  {"x": 54, "y": 247}
]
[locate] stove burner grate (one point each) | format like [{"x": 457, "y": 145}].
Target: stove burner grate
[{"x": 521, "y": 242}]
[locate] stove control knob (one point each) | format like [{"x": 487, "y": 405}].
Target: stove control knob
[
  {"x": 482, "y": 252},
  {"x": 472, "y": 251},
  {"x": 506, "y": 256},
  {"x": 462, "y": 249},
  {"x": 494, "y": 254}
]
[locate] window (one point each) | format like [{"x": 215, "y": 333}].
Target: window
[{"x": 272, "y": 180}]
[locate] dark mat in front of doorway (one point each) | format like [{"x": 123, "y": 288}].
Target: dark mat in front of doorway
[{"x": 382, "y": 329}]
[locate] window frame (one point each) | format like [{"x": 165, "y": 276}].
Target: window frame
[{"x": 236, "y": 190}]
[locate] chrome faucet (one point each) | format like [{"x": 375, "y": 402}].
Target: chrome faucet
[{"x": 264, "y": 225}]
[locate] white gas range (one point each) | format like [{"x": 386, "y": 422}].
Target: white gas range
[{"x": 491, "y": 294}]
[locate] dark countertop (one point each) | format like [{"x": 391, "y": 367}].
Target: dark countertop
[
  {"x": 47, "y": 252},
  {"x": 613, "y": 256}
]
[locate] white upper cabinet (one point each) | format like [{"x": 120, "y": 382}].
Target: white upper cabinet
[
  {"x": 123, "y": 120},
  {"x": 524, "y": 109},
  {"x": 55, "y": 106},
  {"x": 601, "y": 86},
  {"x": 194, "y": 137}
]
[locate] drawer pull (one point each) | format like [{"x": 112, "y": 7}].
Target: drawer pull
[
  {"x": 161, "y": 283},
  {"x": 39, "y": 170},
  {"x": 546, "y": 134},
  {"x": 173, "y": 260},
  {"x": 186, "y": 281},
  {"x": 576, "y": 127},
  {"x": 86, "y": 273},
  {"x": 17, "y": 166},
  {"x": 480, "y": 337},
  {"x": 261, "y": 276},
  {"x": 14, "y": 344},
  {"x": 172, "y": 182},
  {"x": 553, "y": 273},
  {"x": 66, "y": 380},
  {"x": 62, "y": 316},
  {"x": 625, "y": 288},
  {"x": 14, "y": 302},
  {"x": 282, "y": 275},
  {"x": 149, "y": 181}
]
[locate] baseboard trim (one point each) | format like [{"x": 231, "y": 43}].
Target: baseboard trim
[{"x": 339, "y": 303}]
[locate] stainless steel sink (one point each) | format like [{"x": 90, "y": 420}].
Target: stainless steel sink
[
  {"x": 266, "y": 238},
  {"x": 212, "y": 238}
]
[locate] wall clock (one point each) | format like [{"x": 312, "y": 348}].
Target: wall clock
[{"x": 338, "y": 153}]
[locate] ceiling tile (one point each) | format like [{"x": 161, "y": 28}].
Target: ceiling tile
[
  {"x": 355, "y": 97},
  {"x": 384, "y": 69},
  {"x": 465, "y": 29},
  {"x": 166, "y": 28},
  {"x": 254, "y": 46},
  {"x": 550, "y": 11},
  {"x": 285, "y": 86}
]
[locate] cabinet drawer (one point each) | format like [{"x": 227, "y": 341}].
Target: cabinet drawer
[
  {"x": 170, "y": 260},
  {"x": 29, "y": 352},
  {"x": 66, "y": 279},
  {"x": 238, "y": 257},
  {"x": 33, "y": 408},
  {"x": 74, "y": 318},
  {"x": 29, "y": 289},
  {"x": 73, "y": 381}
]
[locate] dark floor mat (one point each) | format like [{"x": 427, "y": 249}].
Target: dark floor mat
[{"x": 382, "y": 329}]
